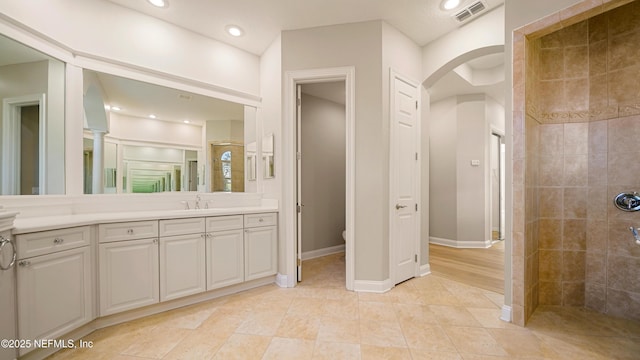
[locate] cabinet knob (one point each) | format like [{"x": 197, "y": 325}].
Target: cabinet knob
[
  {"x": 155, "y": 241},
  {"x": 261, "y": 220},
  {"x": 130, "y": 231},
  {"x": 24, "y": 263},
  {"x": 58, "y": 241}
]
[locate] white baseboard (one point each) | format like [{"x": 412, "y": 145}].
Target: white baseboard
[
  {"x": 425, "y": 269},
  {"x": 322, "y": 252},
  {"x": 372, "y": 286},
  {"x": 282, "y": 280},
  {"x": 460, "y": 243},
  {"x": 505, "y": 314}
]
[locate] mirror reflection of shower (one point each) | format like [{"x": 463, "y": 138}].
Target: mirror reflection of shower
[{"x": 497, "y": 153}]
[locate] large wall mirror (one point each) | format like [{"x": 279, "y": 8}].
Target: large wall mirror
[
  {"x": 140, "y": 137},
  {"x": 32, "y": 97}
]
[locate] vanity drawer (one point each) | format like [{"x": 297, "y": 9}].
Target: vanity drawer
[
  {"x": 219, "y": 223},
  {"x": 47, "y": 242},
  {"x": 256, "y": 220},
  {"x": 181, "y": 226},
  {"x": 128, "y": 231}
]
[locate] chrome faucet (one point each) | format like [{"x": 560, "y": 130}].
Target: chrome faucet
[{"x": 635, "y": 234}]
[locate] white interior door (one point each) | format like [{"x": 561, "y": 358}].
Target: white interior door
[
  {"x": 299, "y": 182},
  {"x": 404, "y": 179}
]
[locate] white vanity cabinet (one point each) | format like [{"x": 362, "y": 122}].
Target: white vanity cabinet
[
  {"x": 129, "y": 265},
  {"x": 53, "y": 282},
  {"x": 260, "y": 245},
  {"x": 225, "y": 251},
  {"x": 182, "y": 258}
]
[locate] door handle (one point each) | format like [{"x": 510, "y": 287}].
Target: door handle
[{"x": 398, "y": 206}]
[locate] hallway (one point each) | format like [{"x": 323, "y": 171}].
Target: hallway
[
  {"x": 483, "y": 268},
  {"x": 424, "y": 318}
]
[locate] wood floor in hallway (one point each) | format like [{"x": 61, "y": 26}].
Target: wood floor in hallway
[{"x": 483, "y": 268}]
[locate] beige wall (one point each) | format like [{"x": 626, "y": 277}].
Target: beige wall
[
  {"x": 579, "y": 109},
  {"x": 460, "y": 203},
  {"x": 323, "y": 173},
  {"x": 597, "y": 86},
  {"x": 519, "y": 13},
  {"x": 358, "y": 45}
]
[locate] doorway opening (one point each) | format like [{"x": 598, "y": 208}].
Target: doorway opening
[
  {"x": 321, "y": 180},
  {"x": 292, "y": 248},
  {"x": 227, "y": 167},
  {"x": 23, "y": 145},
  {"x": 497, "y": 186}
]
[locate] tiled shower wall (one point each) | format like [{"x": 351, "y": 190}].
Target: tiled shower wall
[{"x": 582, "y": 133}]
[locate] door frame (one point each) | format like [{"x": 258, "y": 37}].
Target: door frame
[
  {"x": 393, "y": 147},
  {"x": 11, "y": 122},
  {"x": 289, "y": 183},
  {"x": 501, "y": 184}
]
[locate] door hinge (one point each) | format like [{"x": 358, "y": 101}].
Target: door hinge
[
  {"x": 415, "y": 258},
  {"x": 298, "y": 208},
  {"x": 416, "y": 207},
  {"x": 299, "y": 262},
  {"x": 298, "y": 101},
  {"x": 298, "y": 155},
  {"x": 416, "y": 104},
  {"x": 416, "y": 156}
]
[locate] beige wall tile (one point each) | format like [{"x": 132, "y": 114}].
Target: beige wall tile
[
  {"x": 576, "y": 170},
  {"x": 596, "y": 269},
  {"x": 621, "y": 241},
  {"x": 598, "y": 59},
  {"x": 623, "y": 304},
  {"x": 623, "y": 134},
  {"x": 597, "y": 235},
  {"x": 623, "y": 273},
  {"x": 574, "y": 234},
  {"x": 573, "y": 265},
  {"x": 623, "y": 50},
  {"x": 575, "y": 203},
  {"x": 573, "y": 294},
  {"x": 550, "y": 202},
  {"x": 598, "y": 28},
  {"x": 550, "y": 265},
  {"x": 624, "y": 18},
  {"x": 550, "y": 235},
  {"x": 550, "y": 293},
  {"x": 595, "y": 297},
  {"x": 623, "y": 169},
  {"x": 623, "y": 85},
  {"x": 576, "y": 138},
  {"x": 576, "y": 61},
  {"x": 597, "y": 169}
]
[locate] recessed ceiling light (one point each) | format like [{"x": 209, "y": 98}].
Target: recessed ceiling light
[
  {"x": 234, "y": 30},
  {"x": 449, "y": 4},
  {"x": 159, "y": 3},
  {"x": 116, "y": 108},
  {"x": 186, "y": 121},
  {"x": 152, "y": 116}
]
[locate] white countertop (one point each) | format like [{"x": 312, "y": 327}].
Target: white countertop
[{"x": 32, "y": 224}]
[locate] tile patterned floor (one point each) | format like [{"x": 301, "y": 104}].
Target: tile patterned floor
[{"x": 424, "y": 318}]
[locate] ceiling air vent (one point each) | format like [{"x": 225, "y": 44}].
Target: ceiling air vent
[{"x": 471, "y": 10}]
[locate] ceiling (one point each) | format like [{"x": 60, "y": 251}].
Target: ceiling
[
  {"x": 262, "y": 21},
  {"x": 140, "y": 99},
  {"x": 453, "y": 84}
]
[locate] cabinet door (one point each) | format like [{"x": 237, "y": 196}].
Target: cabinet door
[
  {"x": 182, "y": 266},
  {"x": 260, "y": 252},
  {"x": 54, "y": 294},
  {"x": 225, "y": 253},
  {"x": 129, "y": 275}
]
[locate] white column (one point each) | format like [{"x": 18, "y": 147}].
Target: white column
[{"x": 98, "y": 161}]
